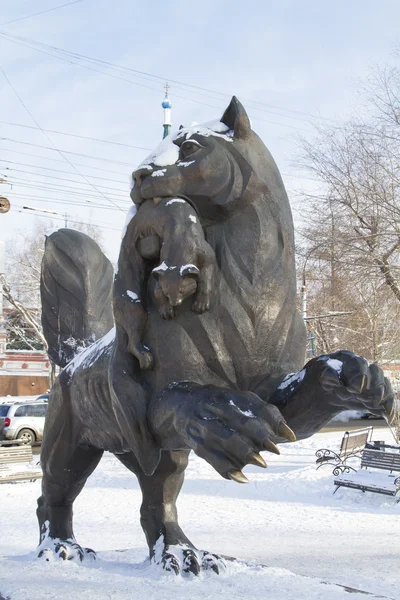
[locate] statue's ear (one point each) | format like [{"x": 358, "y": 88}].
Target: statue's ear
[
  {"x": 235, "y": 117},
  {"x": 190, "y": 270}
]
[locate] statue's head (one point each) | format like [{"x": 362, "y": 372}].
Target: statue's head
[
  {"x": 177, "y": 284},
  {"x": 217, "y": 166}
]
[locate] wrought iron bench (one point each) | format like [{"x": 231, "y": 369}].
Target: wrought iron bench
[
  {"x": 352, "y": 445},
  {"x": 10, "y": 455},
  {"x": 377, "y": 481}
]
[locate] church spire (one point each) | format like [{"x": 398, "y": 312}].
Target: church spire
[{"x": 166, "y": 104}]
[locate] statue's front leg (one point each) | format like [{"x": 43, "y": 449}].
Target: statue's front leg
[{"x": 328, "y": 385}]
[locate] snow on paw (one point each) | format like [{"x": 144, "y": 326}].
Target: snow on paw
[
  {"x": 212, "y": 562},
  {"x": 55, "y": 549},
  {"x": 170, "y": 563},
  {"x": 190, "y": 561}
]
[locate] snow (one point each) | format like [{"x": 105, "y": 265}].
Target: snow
[
  {"x": 175, "y": 200},
  {"x": 286, "y": 518},
  {"x": 247, "y": 413},
  {"x": 163, "y": 267},
  {"x": 129, "y": 216},
  {"x": 159, "y": 173},
  {"x": 335, "y": 364},
  {"x": 167, "y": 153},
  {"x": 291, "y": 379},
  {"x": 186, "y": 267},
  {"x": 185, "y": 163},
  {"x": 380, "y": 480},
  {"x": 132, "y": 295},
  {"x": 88, "y": 356},
  {"x": 193, "y": 218}
]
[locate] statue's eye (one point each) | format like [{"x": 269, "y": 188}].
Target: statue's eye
[{"x": 189, "y": 148}]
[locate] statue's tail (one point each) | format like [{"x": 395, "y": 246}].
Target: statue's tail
[{"x": 76, "y": 293}]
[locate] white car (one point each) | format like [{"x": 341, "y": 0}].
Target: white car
[{"x": 23, "y": 420}]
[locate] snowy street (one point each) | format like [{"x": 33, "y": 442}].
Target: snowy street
[{"x": 287, "y": 519}]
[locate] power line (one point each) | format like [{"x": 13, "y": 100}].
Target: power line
[
  {"x": 117, "y": 162},
  {"x": 59, "y": 188},
  {"x": 74, "y": 135},
  {"x": 62, "y": 219},
  {"x": 149, "y": 77},
  {"x": 12, "y": 162},
  {"x": 50, "y": 140},
  {"x": 105, "y": 187},
  {"x": 61, "y": 161},
  {"x": 2, "y": 34},
  {"x": 87, "y": 204},
  {"x": 40, "y": 13}
]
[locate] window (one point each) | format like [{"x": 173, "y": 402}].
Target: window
[
  {"x": 4, "y": 410},
  {"x": 36, "y": 410},
  {"x": 21, "y": 411}
]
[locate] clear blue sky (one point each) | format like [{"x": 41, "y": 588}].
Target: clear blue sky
[{"x": 293, "y": 57}]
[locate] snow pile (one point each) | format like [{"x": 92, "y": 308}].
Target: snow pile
[{"x": 286, "y": 518}]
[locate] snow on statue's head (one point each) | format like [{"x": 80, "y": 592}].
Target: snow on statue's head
[{"x": 219, "y": 167}]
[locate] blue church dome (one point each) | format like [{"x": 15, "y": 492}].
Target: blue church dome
[{"x": 166, "y": 103}]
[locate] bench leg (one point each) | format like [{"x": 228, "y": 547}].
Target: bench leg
[{"x": 337, "y": 487}]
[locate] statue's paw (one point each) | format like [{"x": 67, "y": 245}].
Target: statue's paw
[
  {"x": 146, "y": 360},
  {"x": 227, "y": 428},
  {"x": 143, "y": 355},
  {"x": 356, "y": 384},
  {"x": 55, "y": 549},
  {"x": 183, "y": 559},
  {"x": 212, "y": 562},
  {"x": 201, "y": 304},
  {"x": 167, "y": 312}
]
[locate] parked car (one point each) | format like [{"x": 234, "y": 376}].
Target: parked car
[{"x": 23, "y": 420}]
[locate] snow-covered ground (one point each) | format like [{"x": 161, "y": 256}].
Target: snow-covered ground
[{"x": 286, "y": 519}]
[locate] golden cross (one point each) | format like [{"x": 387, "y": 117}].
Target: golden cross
[{"x": 166, "y": 89}]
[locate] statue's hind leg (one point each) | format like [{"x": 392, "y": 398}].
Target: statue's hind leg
[
  {"x": 66, "y": 466},
  {"x": 168, "y": 545}
]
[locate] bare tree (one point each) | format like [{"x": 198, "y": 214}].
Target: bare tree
[
  {"x": 21, "y": 284},
  {"x": 353, "y": 235}
]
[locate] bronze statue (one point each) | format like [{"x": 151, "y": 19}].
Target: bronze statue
[{"x": 225, "y": 379}]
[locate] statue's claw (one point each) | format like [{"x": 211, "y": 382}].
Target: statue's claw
[
  {"x": 285, "y": 432},
  {"x": 271, "y": 447},
  {"x": 256, "y": 459},
  {"x": 238, "y": 476}
]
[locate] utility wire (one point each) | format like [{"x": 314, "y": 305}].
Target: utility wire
[
  {"x": 55, "y": 218},
  {"x": 41, "y": 13},
  {"x": 74, "y": 135},
  {"x": 12, "y": 162},
  {"x": 157, "y": 89},
  {"x": 50, "y": 140},
  {"x": 117, "y": 162},
  {"x": 59, "y": 161},
  {"x": 150, "y": 77}
]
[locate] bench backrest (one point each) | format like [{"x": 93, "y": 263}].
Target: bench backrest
[
  {"x": 389, "y": 461},
  {"x": 15, "y": 454},
  {"x": 354, "y": 441}
]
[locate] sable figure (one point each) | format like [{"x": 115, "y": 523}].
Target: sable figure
[
  {"x": 227, "y": 382},
  {"x": 168, "y": 232}
]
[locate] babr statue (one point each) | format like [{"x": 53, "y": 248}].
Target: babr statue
[{"x": 225, "y": 380}]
